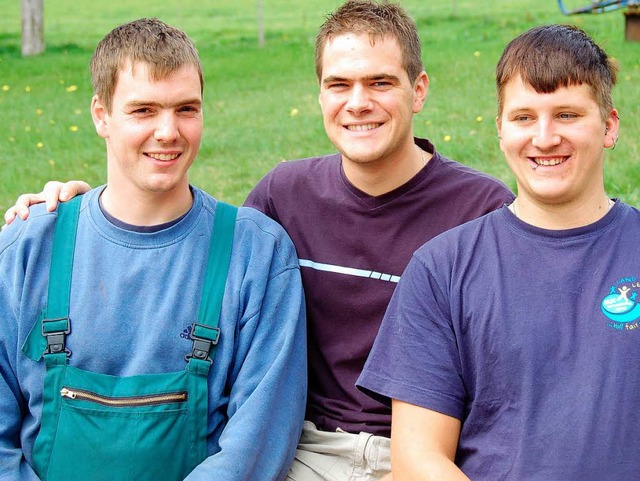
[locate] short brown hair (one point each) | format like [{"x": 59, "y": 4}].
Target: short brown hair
[
  {"x": 554, "y": 56},
  {"x": 163, "y": 48},
  {"x": 378, "y": 20}
]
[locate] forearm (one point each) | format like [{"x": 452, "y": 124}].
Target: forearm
[
  {"x": 423, "y": 444},
  {"x": 13, "y": 465},
  {"x": 430, "y": 467}
]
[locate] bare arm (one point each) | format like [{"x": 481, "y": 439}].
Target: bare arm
[
  {"x": 423, "y": 444},
  {"x": 53, "y": 192}
]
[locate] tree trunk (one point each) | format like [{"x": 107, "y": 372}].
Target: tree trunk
[{"x": 32, "y": 27}]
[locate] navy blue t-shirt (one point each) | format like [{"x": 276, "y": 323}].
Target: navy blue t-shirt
[{"x": 531, "y": 338}]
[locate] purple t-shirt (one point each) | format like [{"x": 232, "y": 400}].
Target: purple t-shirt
[
  {"x": 531, "y": 338},
  {"x": 353, "y": 248}
]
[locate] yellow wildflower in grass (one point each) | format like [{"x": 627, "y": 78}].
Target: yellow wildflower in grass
[
  {"x": 71, "y": 88},
  {"x": 476, "y": 53},
  {"x": 38, "y": 111},
  {"x": 27, "y": 89},
  {"x": 52, "y": 162},
  {"x": 294, "y": 112},
  {"x": 627, "y": 77},
  {"x": 39, "y": 145},
  {"x": 479, "y": 118},
  {"x": 73, "y": 128},
  {"x": 5, "y": 88},
  {"x": 447, "y": 138},
  {"x": 77, "y": 111},
  {"x": 12, "y": 139}
]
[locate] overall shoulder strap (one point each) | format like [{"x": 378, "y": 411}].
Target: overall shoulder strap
[
  {"x": 205, "y": 333},
  {"x": 48, "y": 334},
  {"x": 64, "y": 242},
  {"x": 217, "y": 264}
]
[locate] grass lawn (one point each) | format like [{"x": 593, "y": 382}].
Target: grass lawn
[{"x": 261, "y": 103}]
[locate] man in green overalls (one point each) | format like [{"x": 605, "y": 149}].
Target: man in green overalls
[{"x": 149, "y": 332}]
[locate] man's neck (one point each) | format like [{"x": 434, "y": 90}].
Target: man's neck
[
  {"x": 384, "y": 175},
  {"x": 560, "y": 216},
  {"x": 149, "y": 208}
]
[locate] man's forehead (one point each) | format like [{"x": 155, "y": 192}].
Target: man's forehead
[
  {"x": 351, "y": 56},
  {"x": 520, "y": 94},
  {"x": 371, "y": 39},
  {"x": 140, "y": 68}
]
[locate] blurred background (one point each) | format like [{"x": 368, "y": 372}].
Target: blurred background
[{"x": 261, "y": 93}]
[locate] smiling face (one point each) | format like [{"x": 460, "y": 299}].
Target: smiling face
[
  {"x": 152, "y": 131},
  {"x": 367, "y": 99},
  {"x": 554, "y": 144}
]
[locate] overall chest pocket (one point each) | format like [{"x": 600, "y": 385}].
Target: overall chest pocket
[{"x": 132, "y": 428}]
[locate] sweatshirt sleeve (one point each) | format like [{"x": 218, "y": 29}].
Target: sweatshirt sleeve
[
  {"x": 269, "y": 383},
  {"x": 13, "y": 408}
]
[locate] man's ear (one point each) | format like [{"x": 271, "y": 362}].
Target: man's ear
[
  {"x": 499, "y": 129},
  {"x": 612, "y": 124},
  {"x": 100, "y": 117},
  {"x": 420, "y": 90}
]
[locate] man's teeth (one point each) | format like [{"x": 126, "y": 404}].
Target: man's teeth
[
  {"x": 164, "y": 156},
  {"x": 555, "y": 161},
  {"x": 359, "y": 128}
]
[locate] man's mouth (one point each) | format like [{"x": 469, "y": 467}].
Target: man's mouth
[
  {"x": 363, "y": 127},
  {"x": 163, "y": 157},
  {"x": 547, "y": 161}
]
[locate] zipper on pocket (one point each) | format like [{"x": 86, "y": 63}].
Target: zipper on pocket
[{"x": 128, "y": 401}]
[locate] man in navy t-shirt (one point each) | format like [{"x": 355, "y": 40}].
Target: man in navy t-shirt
[{"x": 510, "y": 343}]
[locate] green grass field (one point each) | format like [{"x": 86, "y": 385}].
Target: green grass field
[{"x": 261, "y": 103}]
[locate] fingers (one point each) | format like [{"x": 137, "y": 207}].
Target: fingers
[
  {"x": 53, "y": 192},
  {"x": 21, "y": 208},
  {"x": 9, "y": 216},
  {"x": 24, "y": 201},
  {"x": 57, "y": 191}
]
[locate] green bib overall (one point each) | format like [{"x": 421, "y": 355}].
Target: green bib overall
[{"x": 100, "y": 427}]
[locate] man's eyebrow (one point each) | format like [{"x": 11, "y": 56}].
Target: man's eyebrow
[
  {"x": 378, "y": 76},
  {"x": 333, "y": 78},
  {"x": 382, "y": 76},
  {"x": 149, "y": 103}
]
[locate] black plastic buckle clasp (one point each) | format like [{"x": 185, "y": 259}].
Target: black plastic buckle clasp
[
  {"x": 56, "y": 338},
  {"x": 202, "y": 345}
]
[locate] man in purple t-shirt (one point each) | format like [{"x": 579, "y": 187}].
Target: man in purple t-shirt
[
  {"x": 509, "y": 346},
  {"x": 355, "y": 218}
]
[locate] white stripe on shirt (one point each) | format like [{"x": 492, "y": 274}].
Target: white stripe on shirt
[{"x": 350, "y": 271}]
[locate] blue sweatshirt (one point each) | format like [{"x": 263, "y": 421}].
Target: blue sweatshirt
[{"x": 138, "y": 294}]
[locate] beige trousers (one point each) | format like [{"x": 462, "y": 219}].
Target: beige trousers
[{"x": 340, "y": 456}]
